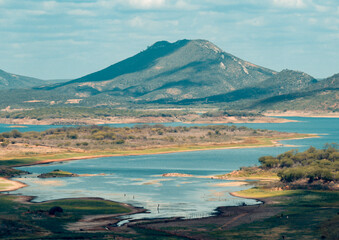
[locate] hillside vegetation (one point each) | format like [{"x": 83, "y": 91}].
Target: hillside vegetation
[{"x": 313, "y": 168}]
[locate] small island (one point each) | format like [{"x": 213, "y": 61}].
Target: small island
[{"x": 57, "y": 173}]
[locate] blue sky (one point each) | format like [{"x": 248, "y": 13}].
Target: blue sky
[{"x": 71, "y": 38}]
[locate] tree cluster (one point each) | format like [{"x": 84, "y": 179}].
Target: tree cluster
[{"x": 312, "y": 164}]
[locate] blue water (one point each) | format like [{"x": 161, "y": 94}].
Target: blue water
[
  {"x": 28, "y": 128},
  {"x": 137, "y": 180}
]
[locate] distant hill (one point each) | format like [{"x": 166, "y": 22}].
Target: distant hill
[
  {"x": 321, "y": 96},
  {"x": 13, "y": 81},
  {"x": 186, "y": 72},
  {"x": 167, "y": 71},
  {"x": 284, "y": 82}
]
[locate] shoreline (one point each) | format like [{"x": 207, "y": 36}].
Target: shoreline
[
  {"x": 274, "y": 143},
  {"x": 146, "y": 120},
  {"x": 15, "y": 185},
  {"x": 300, "y": 114},
  {"x": 98, "y": 222},
  {"x": 12, "y": 185}
]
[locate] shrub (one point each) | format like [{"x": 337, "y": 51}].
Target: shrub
[
  {"x": 291, "y": 174},
  {"x": 268, "y": 162}
]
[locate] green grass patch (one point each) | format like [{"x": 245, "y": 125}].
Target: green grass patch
[
  {"x": 258, "y": 192},
  {"x": 20, "y": 220}
]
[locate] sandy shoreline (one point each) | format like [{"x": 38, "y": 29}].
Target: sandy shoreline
[
  {"x": 7, "y": 185},
  {"x": 144, "y": 120},
  {"x": 275, "y": 143},
  {"x": 301, "y": 114}
]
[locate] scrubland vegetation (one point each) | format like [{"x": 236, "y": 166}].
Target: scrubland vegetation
[
  {"x": 85, "y": 112},
  {"x": 311, "y": 169},
  {"x": 87, "y": 116},
  {"x": 141, "y": 137}
]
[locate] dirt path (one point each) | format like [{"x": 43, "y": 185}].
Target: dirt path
[{"x": 233, "y": 220}]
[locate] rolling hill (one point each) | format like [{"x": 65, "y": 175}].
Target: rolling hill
[
  {"x": 321, "y": 96},
  {"x": 167, "y": 71},
  {"x": 186, "y": 72},
  {"x": 13, "y": 81}
]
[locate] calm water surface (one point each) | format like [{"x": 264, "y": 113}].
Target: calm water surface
[{"x": 137, "y": 180}]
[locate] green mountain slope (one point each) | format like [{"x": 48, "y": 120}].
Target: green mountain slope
[
  {"x": 182, "y": 73},
  {"x": 321, "y": 96},
  {"x": 167, "y": 71},
  {"x": 284, "y": 82},
  {"x": 13, "y": 81}
]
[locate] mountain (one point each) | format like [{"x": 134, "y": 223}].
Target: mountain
[
  {"x": 284, "y": 82},
  {"x": 185, "y": 69},
  {"x": 13, "y": 81},
  {"x": 320, "y": 96},
  {"x": 182, "y": 73}
]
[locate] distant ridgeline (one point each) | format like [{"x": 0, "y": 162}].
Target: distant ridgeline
[{"x": 186, "y": 72}]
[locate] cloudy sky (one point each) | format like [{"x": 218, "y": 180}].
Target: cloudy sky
[{"x": 71, "y": 38}]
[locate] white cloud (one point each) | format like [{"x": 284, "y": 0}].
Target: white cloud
[
  {"x": 49, "y": 5},
  {"x": 137, "y": 22},
  {"x": 147, "y": 4},
  {"x": 255, "y": 22},
  {"x": 81, "y": 12},
  {"x": 180, "y": 4},
  {"x": 289, "y": 3},
  {"x": 107, "y": 3}
]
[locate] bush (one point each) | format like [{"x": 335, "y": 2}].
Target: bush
[
  {"x": 72, "y": 136},
  {"x": 120, "y": 141},
  {"x": 291, "y": 174},
  {"x": 16, "y": 134},
  {"x": 268, "y": 162}
]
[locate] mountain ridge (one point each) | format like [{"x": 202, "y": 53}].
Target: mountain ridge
[
  {"x": 179, "y": 70},
  {"x": 179, "y": 73},
  {"x": 14, "y": 81}
]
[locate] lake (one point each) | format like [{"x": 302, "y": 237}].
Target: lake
[{"x": 137, "y": 180}]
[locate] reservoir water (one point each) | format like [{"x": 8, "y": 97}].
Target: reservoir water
[{"x": 137, "y": 180}]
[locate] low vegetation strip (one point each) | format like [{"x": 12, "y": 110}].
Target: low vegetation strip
[
  {"x": 96, "y": 141},
  {"x": 57, "y": 174},
  {"x": 86, "y": 116}
]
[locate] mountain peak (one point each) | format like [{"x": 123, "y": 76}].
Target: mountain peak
[{"x": 166, "y": 44}]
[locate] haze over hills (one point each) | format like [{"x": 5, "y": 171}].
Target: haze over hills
[
  {"x": 13, "y": 81},
  {"x": 180, "y": 73}
]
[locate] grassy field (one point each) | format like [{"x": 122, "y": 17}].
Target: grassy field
[
  {"x": 306, "y": 215},
  {"x": 34, "y": 221},
  {"x": 20, "y": 220}
]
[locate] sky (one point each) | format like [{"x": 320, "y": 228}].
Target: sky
[{"x": 67, "y": 39}]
